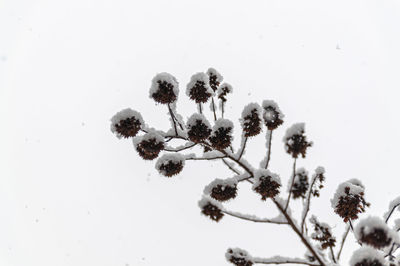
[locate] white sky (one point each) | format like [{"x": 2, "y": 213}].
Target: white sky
[{"x": 73, "y": 194}]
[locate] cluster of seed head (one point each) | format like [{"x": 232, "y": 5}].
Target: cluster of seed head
[
  {"x": 239, "y": 257},
  {"x": 297, "y": 145},
  {"x": 221, "y": 138},
  {"x": 267, "y": 187},
  {"x": 213, "y": 211},
  {"x": 251, "y": 123},
  {"x": 223, "y": 192},
  {"x": 350, "y": 205},
  {"x": 149, "y": 149},
  {"x": 322, "y": 233},
  {"x": 300, "y": 184},
  {"x": 272, "y": 115}
]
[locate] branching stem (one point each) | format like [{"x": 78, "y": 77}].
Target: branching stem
[{"x": 291, "y": 183}]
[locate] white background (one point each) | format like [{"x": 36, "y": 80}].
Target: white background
[{"x": 71, "y": 193}]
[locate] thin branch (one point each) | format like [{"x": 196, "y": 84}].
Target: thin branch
[
  {"x": 173, "y": 119},
  {"x": 253, "y": 218},
  {"x": 391, "y": 212},
  {"x": 291, "y": 185},
  {"x": 230, "y": 167},
  {"x": 282, "y": 260},
  {"x": 180, "y": 149},
  {"x": 343, "y": 241},
  {"x": 243, "y": 148},
  {"x": 307, "y": 206},
  {"x": 269, "y": 132},
  {"x": 332, "y": 254},
  {"x": 222, "y": 108},
  {"x": 200, "y": 109},
  {"x": 213, "y": 108},
  {"x": 297, "y": 231}
]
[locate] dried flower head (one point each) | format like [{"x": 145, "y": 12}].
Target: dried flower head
[
  {"x": 239, "y": 257},
  {"x": 273, "y": 116},
  {"x": 199, "y": 89},
  {"x": 251, "y": 120},
  {"x": 223, "y": 91},
  {"x": 322, "y": 233},
  {"x": 150, "y": 145},
  {"x": 164, "y": 88},
  {"x": 222, "y": 190},
  {"x": 375, "y": 232},
  {"x": 319, "y": 177},
  {"x": 295, "y": 141},
  {"x": 211, "y": 208},
  {"x": 198, "y": 127},
  {"x": 300, "y": 184},
  {"x": 215, "y": 78},
  {"x": 367, "y": 256},
  {"x": 349, "y": 201},
  {"x": 126, "y": 123},
  {"x": 170, "y": 164},
  {"x": 266, "y": 183},
  {"x": 221, "y": 135}
]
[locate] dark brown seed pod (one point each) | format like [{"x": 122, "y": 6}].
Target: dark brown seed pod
[
  {"x": 266, "y": 183},
  {"x": 211, "y": 209},
  {"x": 223, "y": 91},
  {"x": 348, "y": 201},
  {"x": 198, "y": 127},
  {"x": 300, "y": 184},
  {"x": 367, "y": 256},
  {"x": 221, "y": 135},
  {"x": 170, "y": 164},
  {"x": 215, "y": 78},
  {"x": 164, "y": 88},
  {"x": 199, "y": 89},
  {"x": 375, "y": 232},
  {"x": 150, "y": 145},
  {"x": 251, "y": 120},
  {"x": 272, "y": 115},
  {"x": 239, "y": 257},
  {"x": 222, "y": 190},
  {"x": 295, "y": 141},
  {"x": 322, "y": 233},
  {"x": 126, "y": 123}
]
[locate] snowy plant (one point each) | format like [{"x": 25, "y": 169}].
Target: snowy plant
[{"x": 378, "y": 241}]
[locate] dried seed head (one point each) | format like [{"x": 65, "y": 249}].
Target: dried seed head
[
  {"x": 222, "y": 190},
  {"x": 150, "y": 145},
  {"x": 251, "y": 120},
  {"x": 375, "y": 232},
  {"x": 239, "y": 257},
  {"x": 349, "y": 201},
  {"x": 126, "y": 123},
  {"x": 164, "y": 88},
  {"x": 300, "y": 184},
  {"x": 199, "y": 89},
  {"x": 266, "y": 183},
  {"x": 273, "y": 117},
  {"x": 319, "y": 177},
  {"x": 211, "y": 208},
  {"x": 170, "y": 164},
  {"x": 221, "y": 135},
  {"x": 215, "y": 78},
  {"x": 199, "y": 128},
  {"x": 295, "y": 141},
  {"x": 322, "y": 233},
  {"x": 367, "y": 256},
  {"x": 223, "y": 91}
]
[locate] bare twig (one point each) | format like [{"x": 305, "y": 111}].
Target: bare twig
[
  {"x": 391, "y": 212},
  {"x": 180, "y": 149},
  {"x": 281, "y": 260},
  {"x": 213, "y": 108},
  {"x": 307, "y": 205},
  {"x": 291, "y": 183},
  {"x": 242, "y": 148},
  {"x": 200, "y": 109},
  {"x": 269, "y": 132},
  {"x": 230, "y": 167},
  {"x": 343, "y": 241},
  {"x": 332, "y": 254},
  {"x": 253, "y": 218}
]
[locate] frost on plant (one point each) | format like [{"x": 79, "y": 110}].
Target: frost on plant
[{"x": 208, "y": 136}]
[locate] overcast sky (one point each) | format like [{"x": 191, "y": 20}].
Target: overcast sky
[{"x": 71, "y": 193}]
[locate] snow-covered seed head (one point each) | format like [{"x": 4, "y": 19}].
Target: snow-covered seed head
[
  {"x": 221, "y": 135},
  {"x": 150, "y": 145},
  {"x": 367, "y": 256},
  {"x": 273, "y": 117},
  {"x": 300, "y": 184},
  {"x": 251, "y": 120},
  {"x": 375, "y": 232},
  {"x": 322, "y": 233},
  {"x": 126, "y": 123},
  {"x": 319, "y": 176},
  {"x": 239, "y": 257},
  {"x": 199, "y": 128},
  {"x": 348, "y": 201},
  {"x": 164, "y": 88},
  {"x": 266, "y": 183},
  {"x": 211, "y": 208},
  {"x": 222, "y": 190},
  {"x": 295, "y": 141},
  {"x": 223, "y": 91},
  {"x": 215, "y": 78},
  {"x": 199, "y": 89},
  {"x": 170, "y": 164}
]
